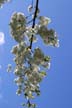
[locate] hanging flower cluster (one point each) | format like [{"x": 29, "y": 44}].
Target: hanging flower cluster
[{"x": 31, "y": 65}]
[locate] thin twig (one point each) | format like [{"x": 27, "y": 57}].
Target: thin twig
[{"x": 34, "y": 19}]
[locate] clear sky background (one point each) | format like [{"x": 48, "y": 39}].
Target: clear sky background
[{"x": 56, "y": 88}]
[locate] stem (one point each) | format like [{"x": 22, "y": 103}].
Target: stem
[{"x": 34, "y": 19}]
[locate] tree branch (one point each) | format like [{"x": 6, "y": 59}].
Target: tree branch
[{"x": 34, "y": 19}]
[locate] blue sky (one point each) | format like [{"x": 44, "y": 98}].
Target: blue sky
[{"x": 56, "y": 88}]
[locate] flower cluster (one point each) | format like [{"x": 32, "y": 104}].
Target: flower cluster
[
  {"x": 49, "y": 36},
  {"x": 27, "y": 70},
  {"x": 31, "y": 65},
  {"x": 18, "y": 26}
]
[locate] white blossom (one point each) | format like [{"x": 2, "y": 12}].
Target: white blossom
[
  {"x": 30, "y": 7},
  {"x": 57, "y": 43},
  {"x": 9, "y": 69},
  {"x": 43, "y": 21}
]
